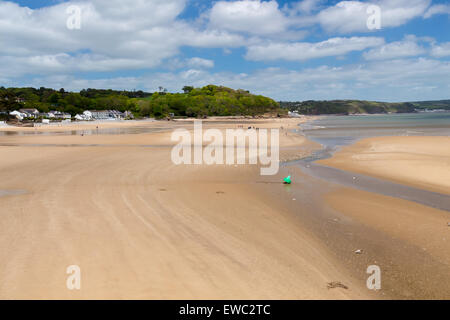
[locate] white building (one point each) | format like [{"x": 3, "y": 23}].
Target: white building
[
  {"x": 128, "y": 115},
  {"x": 19, "y": 115},
  {"x": 59, "y": 115},
  {"x": 294, "y": 114},
  {"x": 88, "y": 115},
  {"x": 104, "y": 114},
  {"x": 30, "y": 113}
]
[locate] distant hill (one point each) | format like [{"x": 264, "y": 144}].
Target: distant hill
[
  {"x": 432, "y": 105},
  {"x": 360, "y": 107}
]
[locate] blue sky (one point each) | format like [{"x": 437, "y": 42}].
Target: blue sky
[{"x": 289, "y": 50}]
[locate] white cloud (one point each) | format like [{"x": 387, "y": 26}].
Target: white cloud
[
  {"x": 307, "y": 6},
  {"x": 437, "y": 9},
  {"x": 200, "y": 63},
  {"x": 250, "y": 16},
  {"x": 352, "y": 16},
  {"x": 114, "y": 35},
  {"x": 442, "y": 50},
  {"x": 395, "y": 80},
  {"x": 399, "y": 49},
  {"x": 300, "y": 51}
]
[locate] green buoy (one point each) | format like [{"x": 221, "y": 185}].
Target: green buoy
[{"x": 287, "y": 180}]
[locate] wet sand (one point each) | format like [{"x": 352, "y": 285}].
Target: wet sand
[
  {"x": 376, "y": 185},
  {"x": 408, "y": 239},
  {"x": 346, "y": 220}
]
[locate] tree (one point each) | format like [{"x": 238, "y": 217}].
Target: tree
[
  {"x": 162, "y": 90},
  {"x": 8, "y": 101},
  {"x": 188, "y": 89},
  {"x": 54, "y": 98},
  {"x": 209, "y": 100}
]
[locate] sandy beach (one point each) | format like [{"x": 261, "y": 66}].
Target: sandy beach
[
  {"x": 423, "y": 162},
  {"x": 141, "y": 227}
]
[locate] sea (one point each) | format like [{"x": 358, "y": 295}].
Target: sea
[{"x": 333, "y": 132}]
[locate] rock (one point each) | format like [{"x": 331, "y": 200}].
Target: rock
[{"x": 358, "y": 251}]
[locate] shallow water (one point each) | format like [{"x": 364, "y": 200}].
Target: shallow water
[
  {"x": 4, "y": 193},
  {"x": 68, "y": 132},
  {"x": 375, "y": 185},
  {"x": 333, "y": 132}
]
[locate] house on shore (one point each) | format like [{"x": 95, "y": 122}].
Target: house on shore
[
  {"x": 294, "y": 114},
  {"x": 128, "y": 115},
  {"x": 19, "y": 115},
  {"x": 59, "y": 115},
  {"x": 100, "y": 115},
  {"x": 106, "y": 114},
  {"x": 114, "y": 114},
  {"x": 30, "y": 113}
]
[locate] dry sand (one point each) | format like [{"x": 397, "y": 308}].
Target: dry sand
[
  {"x": 423, "y": 162},
  {"x": 142, "y": 228}
]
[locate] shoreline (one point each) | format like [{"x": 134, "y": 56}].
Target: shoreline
[{"x": 407, "y": 240}]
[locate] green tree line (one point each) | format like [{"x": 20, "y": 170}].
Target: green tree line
[{"x": 210, "y": 100}]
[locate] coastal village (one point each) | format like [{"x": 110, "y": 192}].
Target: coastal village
[{"x": 57, "y": 116}]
